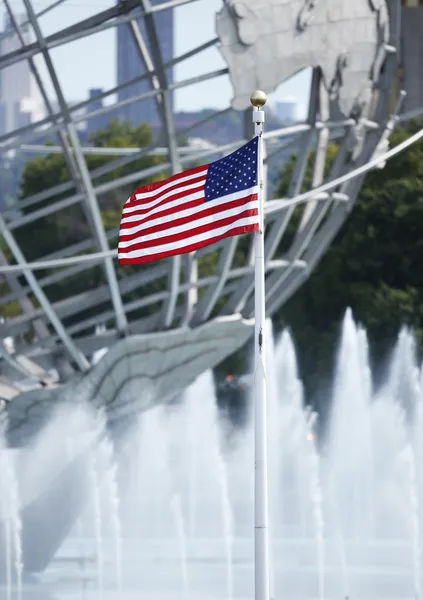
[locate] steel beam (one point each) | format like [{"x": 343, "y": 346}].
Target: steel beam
[
  {"x": 340, "y": 212},
  {"x": 237, "y": 302},
  {"x": 199, "y": 78},
  {"x": 113, "y": 165},
  {"x": 68, "y": 156},
  {"x": 7, "y": 34},
  {"x": 125, "y": 283},
  {"x": 170, "y": 135},
  {"x": 279, "y": 227},
  {"x": 207, "y": 303},
  {"x": 86, "y": 183},
  {"x": 43, "y": 300},
  {"x": 83, "y": 28},
  {"x": 79, "y": 303},
  {"x": 71, "y": 306},
  {"x": 191, "y": 279},
  {"x": 110, "y": 92},
  {"x": 8, "y": 391},
  {"x": 40, "y": 327},
  {"x": 313, "y": 208},
  {"x": 99, "y": 150},
  {"x": 24, "y": 366},
  {"x": 133, "y": 177},
  {"x": 134, "y": 305},
  {"x": 48, "y": 280},
  {"x": 19, "y": 294}
]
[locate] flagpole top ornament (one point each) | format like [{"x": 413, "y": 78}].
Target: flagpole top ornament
[{"x": 258, "y": 99}]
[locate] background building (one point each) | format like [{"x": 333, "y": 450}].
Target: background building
[
  {"x": 411, "y": 57},
  {"x": 20, "y": 100},
  {"x": 287, "y": 110},
  {"x": 129, "y": 66},
  {"x": 99, "y": 121}
]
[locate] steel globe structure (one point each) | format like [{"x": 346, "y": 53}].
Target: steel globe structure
[
  {"x": 57, "y": 336},
  {"x": 162, "y": 325}
]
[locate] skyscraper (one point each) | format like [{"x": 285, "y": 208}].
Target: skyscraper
[
  {"x": 129, "y": 66},
  {"x": 412, "y": 52},
  {"x": 99, "y": 121},
  {"x": 20, "y": 99}
]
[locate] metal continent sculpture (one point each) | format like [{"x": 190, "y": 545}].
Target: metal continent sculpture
[
  {"x": 351, "y": 47},
  {"x": 266, "y": 42}
]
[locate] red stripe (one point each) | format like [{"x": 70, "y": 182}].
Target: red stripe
[
  {"x": 149, "y": 212},
  {"x": 151, "y": 187},
  {"x": 135, "y": 201},
  {"x": 206, "y": 212},
  {"x": 176, "y": 237},
  {"x": 189, "y": 248},
  {"x": 163, "y": 213}
]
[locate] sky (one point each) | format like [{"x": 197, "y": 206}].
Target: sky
[{"x": 90, "y": 62}]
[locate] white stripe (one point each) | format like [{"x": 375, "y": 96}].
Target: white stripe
[
  {"x": 232, "y": 212},
  {"x": 169, "y": 194},
  {"x": 196, "y": 196},
  {"x": 209, "y": 235},
  {"x": 145, "y": 224},
  {"x": 169, "y": 184},
  {"x": 156, "y": 211}
]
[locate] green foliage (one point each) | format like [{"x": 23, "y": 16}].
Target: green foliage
[
  {"x": 373, "y": 266},
  {"x": 48, "y": 234},
  {"x": 282, "y": 188},
  {"x": 9, "y": 309}
]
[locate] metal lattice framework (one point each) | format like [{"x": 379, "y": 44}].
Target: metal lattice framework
[{"x": 57, "y": 334}]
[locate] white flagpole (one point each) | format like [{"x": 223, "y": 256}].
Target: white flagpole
[{"x": 261, "y": 517}]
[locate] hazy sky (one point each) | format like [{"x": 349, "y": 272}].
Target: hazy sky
[{"x": 91, "y": 63}]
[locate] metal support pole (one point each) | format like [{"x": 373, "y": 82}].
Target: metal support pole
[
  {"x": 175, "y": 262},
  {"x": 44, "y": 302},
  {"x": 261, "y": 510},
  {"x": 85, "y": 181}
]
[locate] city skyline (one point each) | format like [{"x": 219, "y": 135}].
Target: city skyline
[{"x": 194, "y": 24}]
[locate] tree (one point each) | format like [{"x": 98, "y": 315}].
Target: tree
[
  {"x": 373, "y": 266},
  {"x": 69, "y": 226}
]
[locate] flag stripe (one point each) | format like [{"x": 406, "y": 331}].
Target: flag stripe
[
  {"x": 153, "y": 230},
  {"x": 147, "y": 192},
  {"x": 173, "y": 202},
  {"x": 201, "y": 243},
  {"x": 176, "y": 237},
  {"x": 246, "y": 225},
  {"x": 178, "y": 192},
  {"x": 176, "y": 206},
  {"x": 193, "y": 207},
  {"x": 127, "y": 228}
]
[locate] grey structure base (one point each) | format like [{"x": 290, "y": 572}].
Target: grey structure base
[{"x": 136, "y": 374}]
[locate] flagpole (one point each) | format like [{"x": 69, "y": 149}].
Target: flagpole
[{"x": 261, "y": 517}]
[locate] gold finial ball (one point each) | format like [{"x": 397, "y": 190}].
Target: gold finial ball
[{"x": 258, "y": 98}]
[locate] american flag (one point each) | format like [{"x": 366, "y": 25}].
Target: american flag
[{"x": 193, "y": 209}]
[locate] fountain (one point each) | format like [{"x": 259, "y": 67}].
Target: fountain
[{"x": 345, "y": 511}]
